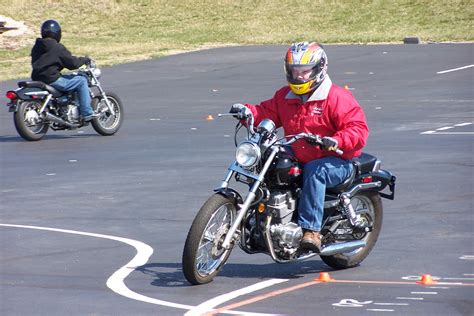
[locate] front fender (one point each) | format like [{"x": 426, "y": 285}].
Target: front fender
[{"x": 230, "y": 193}]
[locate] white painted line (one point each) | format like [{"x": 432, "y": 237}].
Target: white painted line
[
  {"x": 380, "y": 310},
  {"x": 116, "y": 281},
  {"x": 207, "y": 306},
  {"x": 467, "y": 257},
  {"x": 392, "y": 304},
  {"x": 410, "y": 298},
  {"x": 463, "y": 279},
  {"x": 462, "y": 124},
  {"x": 449, "y": 283},
  {"x": 448, "y": 133},
  {"x": 455, "y": 69},
  {"x": 428, "y": 293},
  {"x": 444, "y": 128}
]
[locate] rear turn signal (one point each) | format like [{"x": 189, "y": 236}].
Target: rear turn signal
[{"x": 11, "y": 95}]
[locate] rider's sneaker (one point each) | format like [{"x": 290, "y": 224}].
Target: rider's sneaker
[
  {"x": 311, "y": 240},
  {"x": 90, "y": 117}
]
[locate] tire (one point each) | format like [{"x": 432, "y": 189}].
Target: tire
[
  {"x": 107, "y": 124},
  {"x": 203, "y": 256},
  {"x": 369, "y": 205},
  {"x": 28, "y": 121}
]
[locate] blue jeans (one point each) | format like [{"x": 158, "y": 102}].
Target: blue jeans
[
  {"x": 76, "y": 83},
  {"x": 318, "y": 175}
]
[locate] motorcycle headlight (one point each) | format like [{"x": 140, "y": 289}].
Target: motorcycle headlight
[
  {"x": 97, "y": 72},
  {"x": 247, "y": 154}
]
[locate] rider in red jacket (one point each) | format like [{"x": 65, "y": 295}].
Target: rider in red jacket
[{"x": 311, "y": 103}]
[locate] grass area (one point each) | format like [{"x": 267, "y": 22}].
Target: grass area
[{"x": 118, "y": 31}]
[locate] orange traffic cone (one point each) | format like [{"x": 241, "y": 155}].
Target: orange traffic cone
[
  {"x": 426, "y": 279},
  {"x": 324, "y": 277},
  {"x": 209, "y": 117}
]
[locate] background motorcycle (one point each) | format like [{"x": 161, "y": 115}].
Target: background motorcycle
[
  {"x": 37, "y": 106},
  {"x": 266, "y": 221}
]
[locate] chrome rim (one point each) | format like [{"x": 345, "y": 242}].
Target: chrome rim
[
  {"x": 32, "y": 119},
  {"x": 106, "y": 119},
  {"x": 210, "y": 253}
]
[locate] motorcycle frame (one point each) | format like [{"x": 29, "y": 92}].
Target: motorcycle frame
[{"x": 47, "y": 96}]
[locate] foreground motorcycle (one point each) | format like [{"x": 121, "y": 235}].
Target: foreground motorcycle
[
  {"x": 266, "y": 220},
  {"x": 37, "y": 106}
]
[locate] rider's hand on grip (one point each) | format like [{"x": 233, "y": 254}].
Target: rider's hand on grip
[
  {"x": 329, "y": 143},
  {"x": 240, "y": 111}
]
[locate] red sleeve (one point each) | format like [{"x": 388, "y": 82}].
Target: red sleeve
[
  {"x": 267, "y": 109},
  {"x": 352, "y": 130}
]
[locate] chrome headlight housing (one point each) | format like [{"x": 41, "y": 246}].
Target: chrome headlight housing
[
  {"x": 247, "y": 154},
  {"x": 97, "y": 72}
]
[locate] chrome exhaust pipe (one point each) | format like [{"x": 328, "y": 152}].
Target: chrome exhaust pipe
[
  {"x": 53, "y": 118},
  {"x": 342, "y": 247}
]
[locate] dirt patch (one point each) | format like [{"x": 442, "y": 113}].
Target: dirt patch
[{"x": 19, "y": 36}]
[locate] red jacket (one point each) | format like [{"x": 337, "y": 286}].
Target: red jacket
[{"x": 329, "y": 111}]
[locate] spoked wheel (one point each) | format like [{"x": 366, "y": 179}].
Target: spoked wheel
[
  {"x": 203, "y": 254},
  {"x": 28, "y": 121},
  {"x": 107, "y": 123},
  {"x": 369, "y": 206}
]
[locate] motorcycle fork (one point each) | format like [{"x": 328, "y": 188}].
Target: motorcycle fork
[
  {"x": 243, "y": 208},
  {"x": 102, "y": 94}
]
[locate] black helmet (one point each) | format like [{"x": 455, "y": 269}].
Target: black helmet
[{"x": 52, "y": 29}]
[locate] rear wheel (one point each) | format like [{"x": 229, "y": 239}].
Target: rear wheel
[
  {"x": 203, "y": 254},
  {"x": 28, "y": 121},
  {"x": 369, "y": 206},
  {"x": 107, "y": 123}
]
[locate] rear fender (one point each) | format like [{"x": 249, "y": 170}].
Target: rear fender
[
  {"x": 386, "y": 178},
  {"x": 31, "y": 94}
]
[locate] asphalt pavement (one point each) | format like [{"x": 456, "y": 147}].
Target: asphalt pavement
[{"x": 94, "y": 225}]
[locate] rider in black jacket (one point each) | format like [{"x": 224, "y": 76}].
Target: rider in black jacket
[{"x": 49, "y": 57}]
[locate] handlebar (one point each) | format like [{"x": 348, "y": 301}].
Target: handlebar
[
  {"x": 311, "y": 138},
  {"x": 316, "y": 139}
]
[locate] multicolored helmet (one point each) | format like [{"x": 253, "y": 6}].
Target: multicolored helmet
[{"x": 305, "y": 56}]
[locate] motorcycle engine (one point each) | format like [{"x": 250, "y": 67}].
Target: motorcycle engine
[
  {"x": 281, "y": 204},
  {"x": 285, "y": 234},
  {"x": 72, "y": 113}
]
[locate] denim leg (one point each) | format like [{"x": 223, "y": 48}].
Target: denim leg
[
  {"x": 76, "y": 83},
  {"x": 318, "y": 175}
]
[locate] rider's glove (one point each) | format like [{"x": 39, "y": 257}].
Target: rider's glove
[
  {"x": 329, "y": 143},
  {"x": 88, "y": 60},
  {"x": 240, "y": 109}
]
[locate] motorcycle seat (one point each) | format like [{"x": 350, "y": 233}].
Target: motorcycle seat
[
  {"x": 363, "y": 164},
  {"x": 39, "y": 84}
]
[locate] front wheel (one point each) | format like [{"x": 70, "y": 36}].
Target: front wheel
[
  {"x": 107, "y": 123},
  {"x": 203, "y": 254},
  {"x": 369, "y": 206},
  {"x": 28, "y": 121}
]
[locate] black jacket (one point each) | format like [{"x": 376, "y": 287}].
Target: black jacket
[{"x": 49, "y": 57}]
